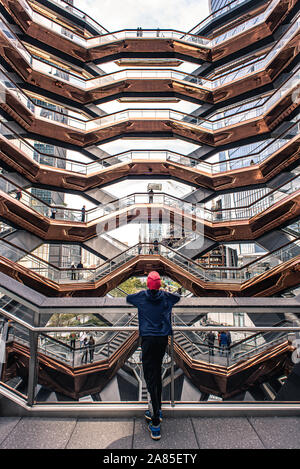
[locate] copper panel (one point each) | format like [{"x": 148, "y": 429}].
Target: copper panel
[{"x": 87, "y": 379}]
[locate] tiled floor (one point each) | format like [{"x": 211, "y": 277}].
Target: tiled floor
[{"x": 177, "y": 433}]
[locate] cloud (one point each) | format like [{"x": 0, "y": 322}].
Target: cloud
[{"x": 129, "y": 14}]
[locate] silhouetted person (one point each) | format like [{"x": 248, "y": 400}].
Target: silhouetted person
[
  {"x": 73, "y": 339},
  {"x": 79, "y": 267},
  {"x": 19, "y": 194},
  {"x": 151, "y": 196},
  {"x": 53, "y": 213},
  {"x": 228, "y": 341},
  {"x": 223, "y": 343},
  {"x": 85, "y": 351},
  {"x": 211, "y": 342},
  {"x": 73, "y": 274},
  {"x": 83, "y": 212},
  {"x": 91, "y": 345}
]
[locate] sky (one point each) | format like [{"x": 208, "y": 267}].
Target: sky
[{"x": 114, "y": 15}]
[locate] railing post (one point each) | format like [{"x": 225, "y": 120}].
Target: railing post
[
  {"x": 3, "y": 342},
  {"x": 172, "y": 373},
  {"x": 32, "y": 368},
  {"x": 73, "y": 354}
]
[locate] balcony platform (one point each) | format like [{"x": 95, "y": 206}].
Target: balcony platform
[{"x": 182, "y": 433}]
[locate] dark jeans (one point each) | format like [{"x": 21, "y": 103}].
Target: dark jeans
[
  {"x": 84, "y": 356},
  {"x": 153, "y": 350}
]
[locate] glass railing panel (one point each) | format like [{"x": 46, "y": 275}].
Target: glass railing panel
[
  {"x": 257, "y": 111},
  {"x": 55, "y": 27},
  {"x": 35, "y": 264},
  {"x": 14, "y": 90},
  {"x": 255, "y": 208},
  {"x": 148, "y": 34},
  {"x": 13, "y": 338},
  {"x": 101, "y": 349},
  {"x": 277, "y": 351},
  {"x": 60, "y": 73},
  {"x": 254, "y": 345},
  {"x": 169, "y": 114},
  {"x": 38, "y": 205},
  {"x": 73, "y": 119}
]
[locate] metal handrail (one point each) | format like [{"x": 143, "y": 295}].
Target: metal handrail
[{"x": 180, "y": 329}]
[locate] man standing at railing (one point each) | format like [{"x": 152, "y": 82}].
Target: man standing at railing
[{"x": 154, "y": 312}]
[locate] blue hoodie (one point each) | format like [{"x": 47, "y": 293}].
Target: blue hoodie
[{"x": 154, "y": 310}]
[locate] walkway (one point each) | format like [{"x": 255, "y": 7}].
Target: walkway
[{"x": 131, "y": 433}]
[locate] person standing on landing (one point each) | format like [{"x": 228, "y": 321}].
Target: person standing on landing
[{"x": 154, "y": 313}]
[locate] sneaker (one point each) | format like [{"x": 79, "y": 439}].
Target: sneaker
[
  {"x": 149, "y": 417},
  {"x": 155, "y": 431}
]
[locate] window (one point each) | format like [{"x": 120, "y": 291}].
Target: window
[{"x": 238, "y": 319}]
